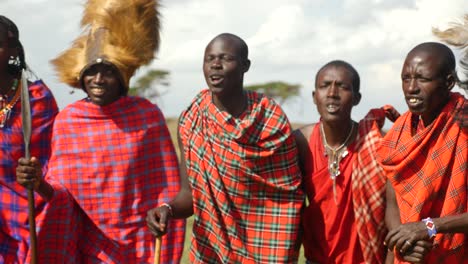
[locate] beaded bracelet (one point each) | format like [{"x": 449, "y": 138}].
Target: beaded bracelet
[
  {"x": 431, "y": 228},
  {"x": 168, "y": 207}
]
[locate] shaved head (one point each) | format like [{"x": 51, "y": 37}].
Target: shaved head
[
  {"x": 445, "y": 56},
  {"x": 243, "y": 50}
]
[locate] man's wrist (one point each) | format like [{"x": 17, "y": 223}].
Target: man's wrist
[
  {"x": 45, "y": 190},
  {"x": 430, "y": 226},
  {"x": 169, "y": 208}
]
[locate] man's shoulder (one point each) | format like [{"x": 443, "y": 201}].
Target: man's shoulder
[{"x": 302, "y": 134}]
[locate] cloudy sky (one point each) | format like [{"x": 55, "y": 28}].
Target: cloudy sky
[{"x": 288, "y": 40}]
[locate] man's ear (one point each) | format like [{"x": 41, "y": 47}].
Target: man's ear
[
  {"x": 450, "y": 81},
  {"x": 356, "y": 98},
  {"x": 246, "y": 65},
  {"x": 313, "y": 97}
]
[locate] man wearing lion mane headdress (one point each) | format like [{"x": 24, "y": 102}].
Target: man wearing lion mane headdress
[{"x": 113, "y": 152}]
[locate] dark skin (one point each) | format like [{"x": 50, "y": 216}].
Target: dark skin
[
  {"x": 7, "y": 49},
  {"x": 427, "y": 80},
  {"x": 414, "y": 253},
  {"x": 334, "y": 97},
  {"x": 224, "y": 64},
  {"x": 103, "y": 86},
  {"x": 425, "y": 88}
]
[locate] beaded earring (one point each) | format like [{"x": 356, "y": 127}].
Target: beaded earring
[{"x": 14, "y": 65}]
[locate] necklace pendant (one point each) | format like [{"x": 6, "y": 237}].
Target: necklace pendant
[
  {"x": 345, "y": 153},
  {"x": 334, "y": 170}
]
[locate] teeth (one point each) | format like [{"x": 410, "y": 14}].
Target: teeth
[
  {"x": 98, "y": 90},
  {"x": 414, "y": 100},
  {"x": 332, "y": 107}
]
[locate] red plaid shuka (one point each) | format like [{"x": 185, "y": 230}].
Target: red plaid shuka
[
  {"x": 428, "y": 171},
  {"x": 368, "y": 187},
  {"x": 53, "y": 221},
  {"x": 353, "y": 230},
  {"x": 118, "y": 161},
  {"x": 245, "y": 182}
]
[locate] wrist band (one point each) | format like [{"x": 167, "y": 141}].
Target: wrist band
[
  {"x": 430, "y": 226},
  {"x": 168, "y": 207}
]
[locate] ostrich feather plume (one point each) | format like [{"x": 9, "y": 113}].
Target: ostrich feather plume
[{"x": 457, "y": 36}]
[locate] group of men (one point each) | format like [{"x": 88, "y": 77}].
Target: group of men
[{"x": 257, "y": 189}]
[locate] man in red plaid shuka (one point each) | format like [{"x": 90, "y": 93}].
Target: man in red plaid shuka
[
  {"x": 112, "y": 152},
  {"x": 14, "y": 228},
  {"x": 425, "y": 157},
  {"x": 344, "y": 221},
  {"x": 241, "y": 162}
]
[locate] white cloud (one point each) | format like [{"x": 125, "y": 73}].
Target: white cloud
[{"x": 288, "y": 40}]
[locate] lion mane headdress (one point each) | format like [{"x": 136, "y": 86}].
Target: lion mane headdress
[
  {"x": 457, "y": 36},
  {"x": 121, "y": 33}
]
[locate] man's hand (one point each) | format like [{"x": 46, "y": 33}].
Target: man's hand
[
  {"x": 418, "y": 252},
  {"x": 157, "y": 219},
  {"x": 29, "y": 173},
  {"x": 391, "y": 113},
  {"x": 410, "y": 241}
]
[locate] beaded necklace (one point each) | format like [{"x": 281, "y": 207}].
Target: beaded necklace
[
  {"x": 7, "y": 103},
  {"x": 335, "y": 155}
]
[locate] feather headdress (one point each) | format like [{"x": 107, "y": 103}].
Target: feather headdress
[
  {"x": 123, "y": 33},
  {"x": 457, "y": 36}
]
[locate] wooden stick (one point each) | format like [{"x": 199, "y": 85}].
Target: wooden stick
[
  {"x": 157, "y": 250},
  {"x": 32, "y": 226},
  {"x": 26, "y": 122}
]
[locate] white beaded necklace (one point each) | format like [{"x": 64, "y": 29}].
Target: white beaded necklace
[{"x": 335, "y": 155}]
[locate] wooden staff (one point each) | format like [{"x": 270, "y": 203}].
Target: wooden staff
[
  {"x": 26, "y": 126},
  {"x": 157, "y": 250}
]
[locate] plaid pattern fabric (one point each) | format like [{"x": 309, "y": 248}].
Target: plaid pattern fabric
[
  {"x": 118, "y": 161},
  {"x": 429, "y": 174},
  {"x": 329, "y": 229},
  {"x": 368, "y": 188},
  {"x": 245, "y": 182},
  {"x": 53, "y": 221}
]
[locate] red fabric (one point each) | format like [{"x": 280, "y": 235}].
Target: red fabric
[
  {"x": 245, "y": 182},
  {"x": 330, "y": 234},
  {"x": 54, "y": 219},
  {"x": 368, "y": 187},
  {"x": 118, "y": 161},
  {"x": 428, "y": 171}
]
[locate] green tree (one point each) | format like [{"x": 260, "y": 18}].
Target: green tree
[
  {"x": 149, "y": 85},
  {"x": 278, "y": 90}
]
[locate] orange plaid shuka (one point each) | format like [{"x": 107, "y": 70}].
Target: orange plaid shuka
[
  {"x": 245, "y": 182},
  {"x": 428, "y": 171}
]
